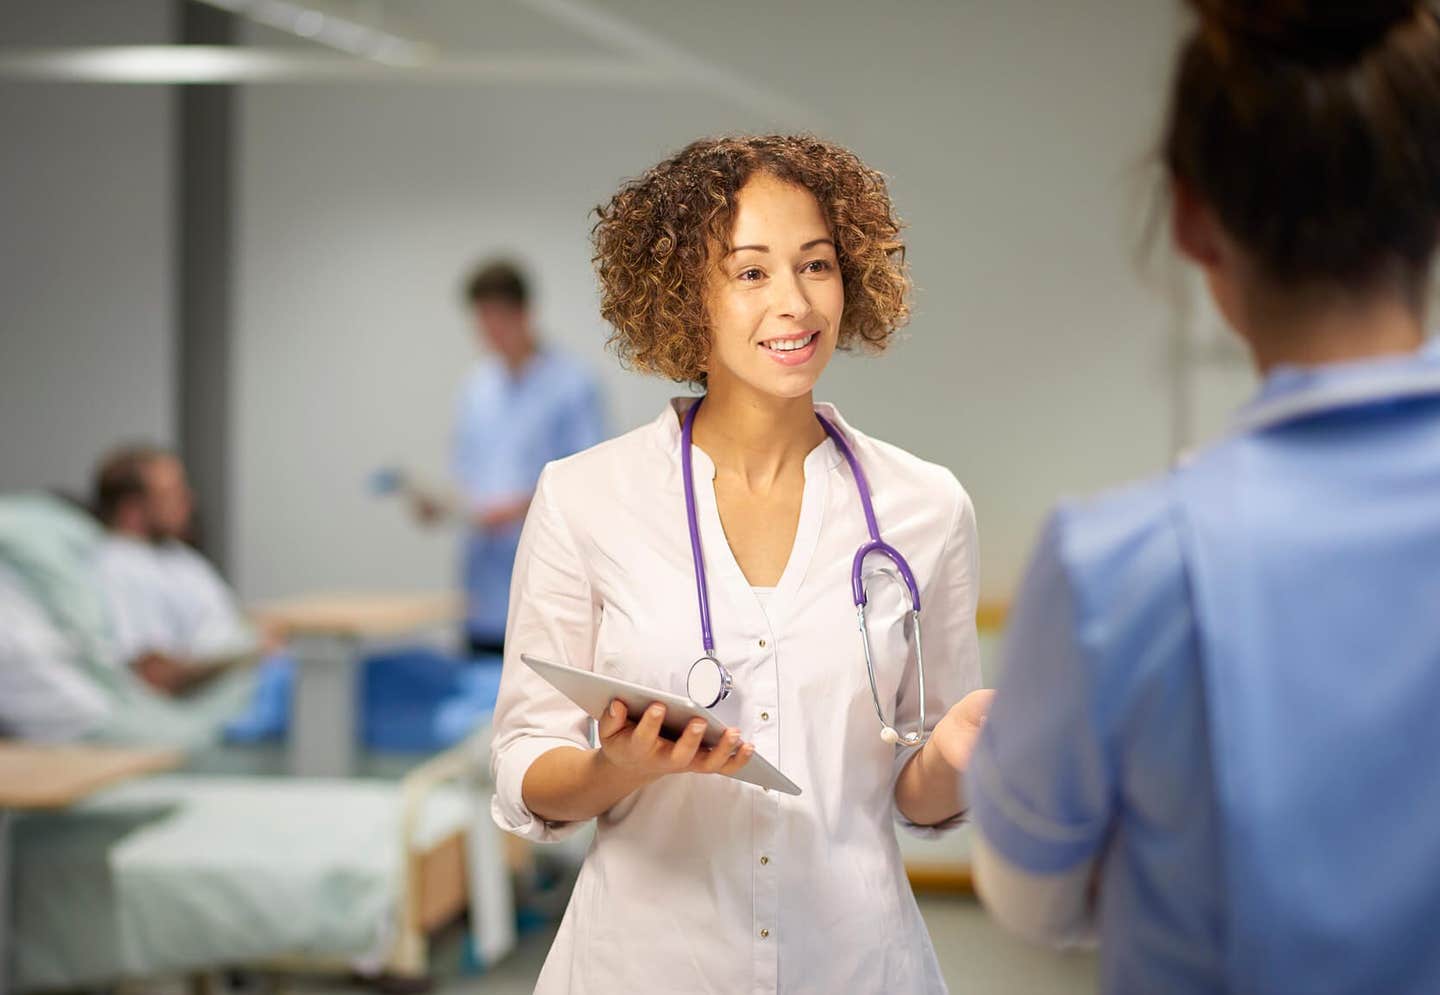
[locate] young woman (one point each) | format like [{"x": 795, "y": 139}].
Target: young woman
[
  {"x": 742, "y": 265},
  {"x": 1219, "y": 703}
]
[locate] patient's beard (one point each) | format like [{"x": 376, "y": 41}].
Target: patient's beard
[{"x": 157, "y": 535}]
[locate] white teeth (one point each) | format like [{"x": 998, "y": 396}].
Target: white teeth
[{"x": 789, "y": 345}]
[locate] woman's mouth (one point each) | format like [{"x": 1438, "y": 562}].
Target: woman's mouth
[{"x": 792, "y": 350}]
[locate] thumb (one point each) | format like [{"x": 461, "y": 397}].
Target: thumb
[
  {"x": 976, "y": 705},
  {"x": 613, "y": 720}
]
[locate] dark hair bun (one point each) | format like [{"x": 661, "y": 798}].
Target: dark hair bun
[
  {"x": 1312, "y": 128},
  {"x": 1313, "y": 30}
]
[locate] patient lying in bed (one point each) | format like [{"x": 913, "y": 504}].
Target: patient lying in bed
[
  {"x": 175, "y": 622},
  {"x": 111, "y": 653}
]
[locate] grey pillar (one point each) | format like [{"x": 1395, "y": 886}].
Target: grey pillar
[
  {"x": 204, "y": 267},
  {"x": 6, "y": 920}
]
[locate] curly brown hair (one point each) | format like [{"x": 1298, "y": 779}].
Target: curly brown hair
[{"x": 655, "y": 245}]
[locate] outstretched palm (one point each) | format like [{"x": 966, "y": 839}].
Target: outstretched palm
[{"x": 956, "y": 734}]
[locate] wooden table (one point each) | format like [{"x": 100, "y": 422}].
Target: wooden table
[
  {"x": 34, "y": 777},
  {"x": 327, "y": 634}
]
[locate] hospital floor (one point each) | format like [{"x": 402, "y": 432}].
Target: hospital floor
[{"x": 975, "y": 956}]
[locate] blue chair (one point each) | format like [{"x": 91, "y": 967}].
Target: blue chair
[{"x": 419, "y": 700}]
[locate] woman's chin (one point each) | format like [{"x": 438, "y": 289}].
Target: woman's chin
[
  {"x": 789, "y": 387},
  {"x": 769, "y": 379},
  {"x": 789, "y": 382}
]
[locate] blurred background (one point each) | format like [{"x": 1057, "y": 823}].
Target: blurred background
[{"x": 240, "y": 230}]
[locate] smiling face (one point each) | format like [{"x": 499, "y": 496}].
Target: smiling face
[{"x": 775, "y": 296}]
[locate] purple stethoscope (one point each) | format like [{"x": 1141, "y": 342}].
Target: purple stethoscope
[{"x": 709, "y": 683}]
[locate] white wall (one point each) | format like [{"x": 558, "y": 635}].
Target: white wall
[
  {"x": 85, "y": 235},
  {"x": 1015, "y": 135}
]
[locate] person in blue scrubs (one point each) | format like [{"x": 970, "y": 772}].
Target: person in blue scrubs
[
  {"x": 1214, "y": 742},
  {"x": 522, "y": 407}
]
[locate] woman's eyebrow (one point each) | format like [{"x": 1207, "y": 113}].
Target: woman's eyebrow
[{"x": 765, "y": 248}]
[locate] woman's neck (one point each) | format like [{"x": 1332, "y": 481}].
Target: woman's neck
[
  {"x": 754, "y": 437},
  {"x": 1335, "y": 332}
]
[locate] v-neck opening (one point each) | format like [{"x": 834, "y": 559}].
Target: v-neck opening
[{"x": 715, "y": 545}]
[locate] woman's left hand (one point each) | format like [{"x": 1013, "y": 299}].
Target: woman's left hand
[{"x": 955, "y": 735}]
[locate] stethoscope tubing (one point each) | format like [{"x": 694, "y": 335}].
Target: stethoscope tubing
[{"x": 876, "y": 545}]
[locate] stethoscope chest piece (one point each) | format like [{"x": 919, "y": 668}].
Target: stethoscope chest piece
[{"x": 708, "y": 683}]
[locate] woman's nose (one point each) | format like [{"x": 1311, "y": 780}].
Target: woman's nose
[{"x": 791, "y": 301}]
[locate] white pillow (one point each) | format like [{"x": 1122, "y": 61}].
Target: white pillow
[{"x": 44, "y": 694}]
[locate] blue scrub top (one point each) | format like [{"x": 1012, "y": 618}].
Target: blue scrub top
[
  {"x": 506, "y": 429},
  {"x": 1226, "y": 683}
]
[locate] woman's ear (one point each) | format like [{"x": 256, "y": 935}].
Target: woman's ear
[{"x": 1194, "y": 226}]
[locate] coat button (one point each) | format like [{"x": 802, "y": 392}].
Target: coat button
[
  {"x": 764, "y": 860},
  {"x": 764, "y": 934}
]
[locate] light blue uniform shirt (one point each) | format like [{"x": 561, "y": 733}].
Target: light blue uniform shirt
[
  {"x": 1224, "y": 686},
  {"x": 506, "y": 429}
]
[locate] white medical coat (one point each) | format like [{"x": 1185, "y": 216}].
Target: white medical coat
[{"x": 699, "y": 883}]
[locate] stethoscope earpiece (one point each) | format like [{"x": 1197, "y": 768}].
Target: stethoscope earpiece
[{"x": 889, "y": 735}]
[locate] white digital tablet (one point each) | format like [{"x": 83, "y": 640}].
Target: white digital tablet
[{"x": 593, "y": 693}]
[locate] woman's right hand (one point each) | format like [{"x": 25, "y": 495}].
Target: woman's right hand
[{"x": 640, "y": 750}]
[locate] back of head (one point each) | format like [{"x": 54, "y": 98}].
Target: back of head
[{"x": 1312, "y": 129}]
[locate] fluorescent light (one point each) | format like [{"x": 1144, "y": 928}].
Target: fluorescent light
[
  {"x": 136, "y": 64},
  {"x": 227, "y": 64}
]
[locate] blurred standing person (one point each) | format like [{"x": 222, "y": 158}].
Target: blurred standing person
[{"x": 522, "y": 407}]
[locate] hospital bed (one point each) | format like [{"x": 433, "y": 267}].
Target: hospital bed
[
  {"x": 178, "y": 873},
  {"x": 193, "y": 871}
]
